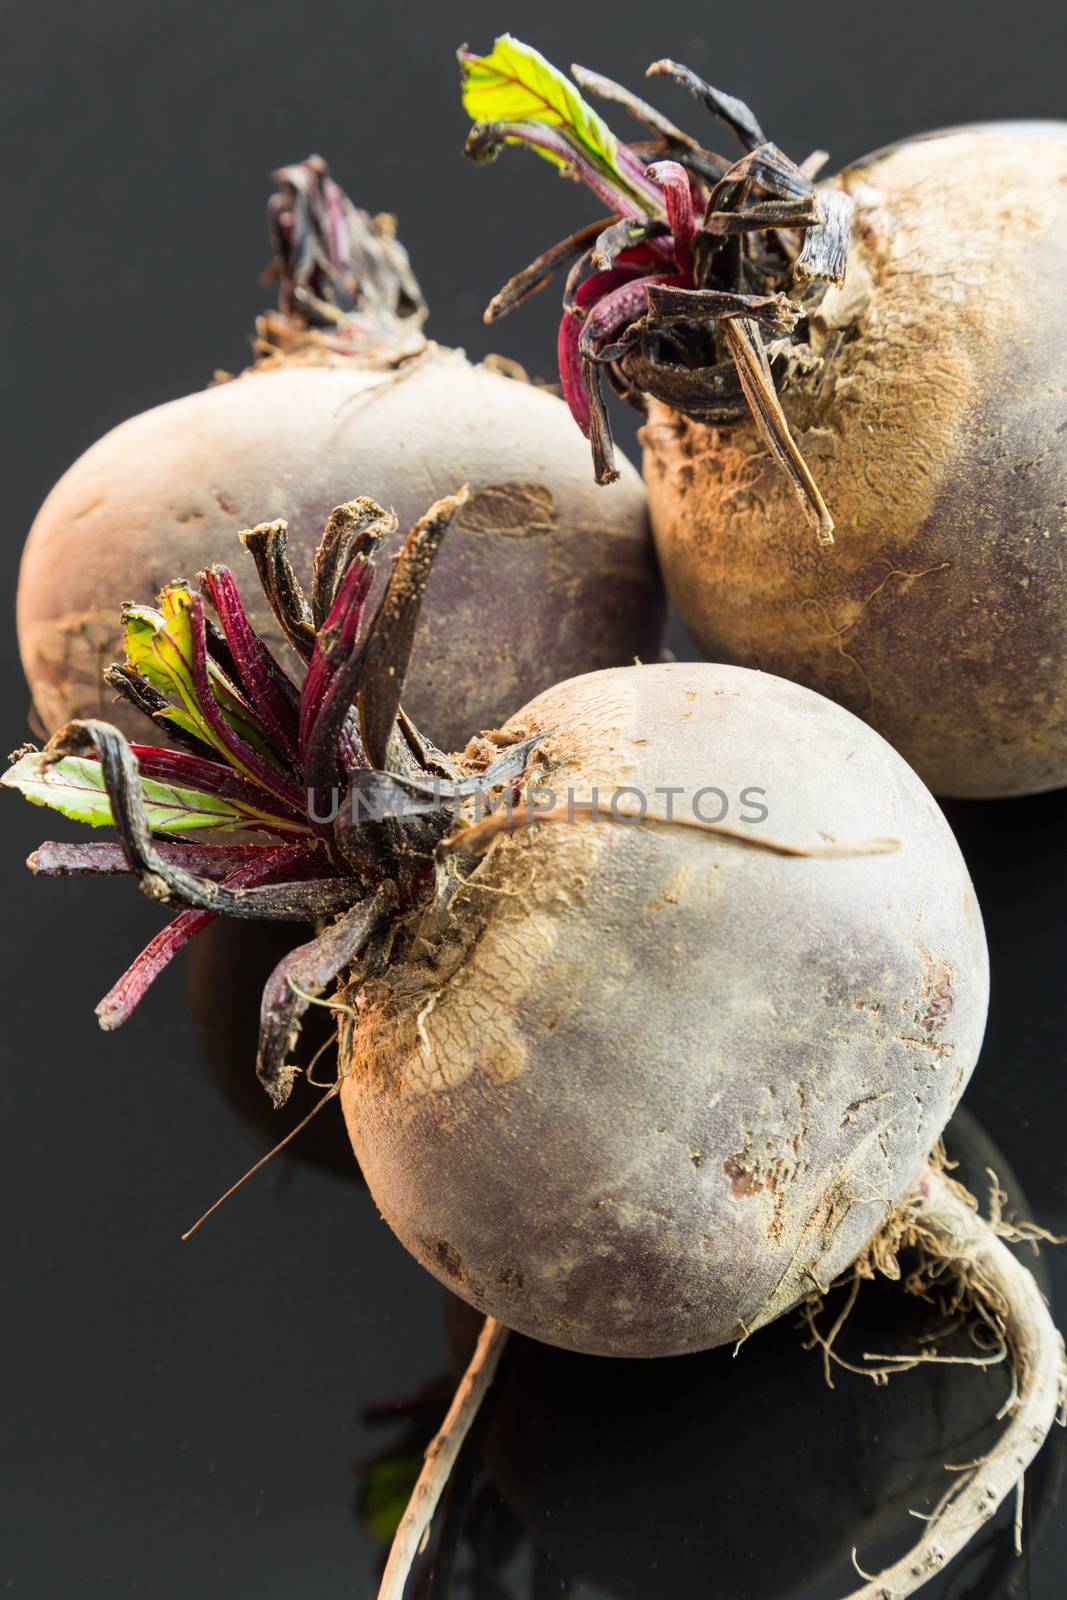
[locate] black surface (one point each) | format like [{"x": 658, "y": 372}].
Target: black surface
[{"x": 187, "y": 1419}]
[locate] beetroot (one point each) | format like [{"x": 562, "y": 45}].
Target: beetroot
[
  {"x": 658, "y": 1045},
  {"x": 348, "y": 397},
  {"x": 881, "y": 351},
  {"x": 720, "y": 1068}
]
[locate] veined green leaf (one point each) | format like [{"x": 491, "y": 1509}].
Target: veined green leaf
[
  {"x": 181, "y": 719},
  {"x": 140, "y": 624},
  {"x": 515, "y": 83},
  {"x": 159, "y": 644},
  {"x": 75, "y": 787}
]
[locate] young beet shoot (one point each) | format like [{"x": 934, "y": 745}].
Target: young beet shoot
[
  {"x": 852, "y": 345},
  {"x": 346, "y": 391},
  {"x": 628, "y": 1076}
]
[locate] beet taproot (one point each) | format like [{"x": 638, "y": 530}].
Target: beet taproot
[
  {"x": 348, "y": 397},
  {"x": 881, "y": 353},
  {"x": 588, "y": 1455}
]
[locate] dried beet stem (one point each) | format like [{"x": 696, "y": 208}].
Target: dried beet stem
[
  {"x": 669, "y": 307},
  {"x": 533, "y": 278},
  {"x": 736, "y": 115},
  {"x": 600, "y": 436},
  {"x": 302, "y": 977},
  {"x": 392, "y": 636},
  {"x": 946, "y": 1227},
  {"x": 768, "y": 167},
  {"x": 607, "y": 89},
  {"x": 353, "y": 532},
  {"x": 266, "y": 544},
  {"x": 745, "y": 345},
  {"x": 441, "y": 1457},
  {"x": 825, "y": 251},
  {"x": 343, "y": 277}
]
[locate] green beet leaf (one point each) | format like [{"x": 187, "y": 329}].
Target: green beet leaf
[
  {"x": 159, "y": 644},
  {"x": 514, "y": 83},
  {"x": 75, "y": 787}
]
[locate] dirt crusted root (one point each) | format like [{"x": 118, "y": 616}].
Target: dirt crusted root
[{"x": 964, "y": 1263}]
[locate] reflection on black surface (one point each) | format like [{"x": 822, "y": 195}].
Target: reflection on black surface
[
  {"x": 742, "y": 1478},
  {"x": 228, "y": 964}
]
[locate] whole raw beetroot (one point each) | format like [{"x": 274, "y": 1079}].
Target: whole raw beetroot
[
  {"x": 880, "y": 352},
  {"x": 715, "y": 1070},
  {"x": 547, "y": 577}
]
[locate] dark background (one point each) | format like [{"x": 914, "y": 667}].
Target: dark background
[{"x": 187, "y": 1419}]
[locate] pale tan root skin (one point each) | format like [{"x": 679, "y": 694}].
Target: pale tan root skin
[
  {"x": 441, "y": 1458},
  {"x": 542, "y": 576},
  {"x": 971, "y": 1248},
  {"x": 929, "y": 409},
  {"x": 711, "y": 1159}
]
